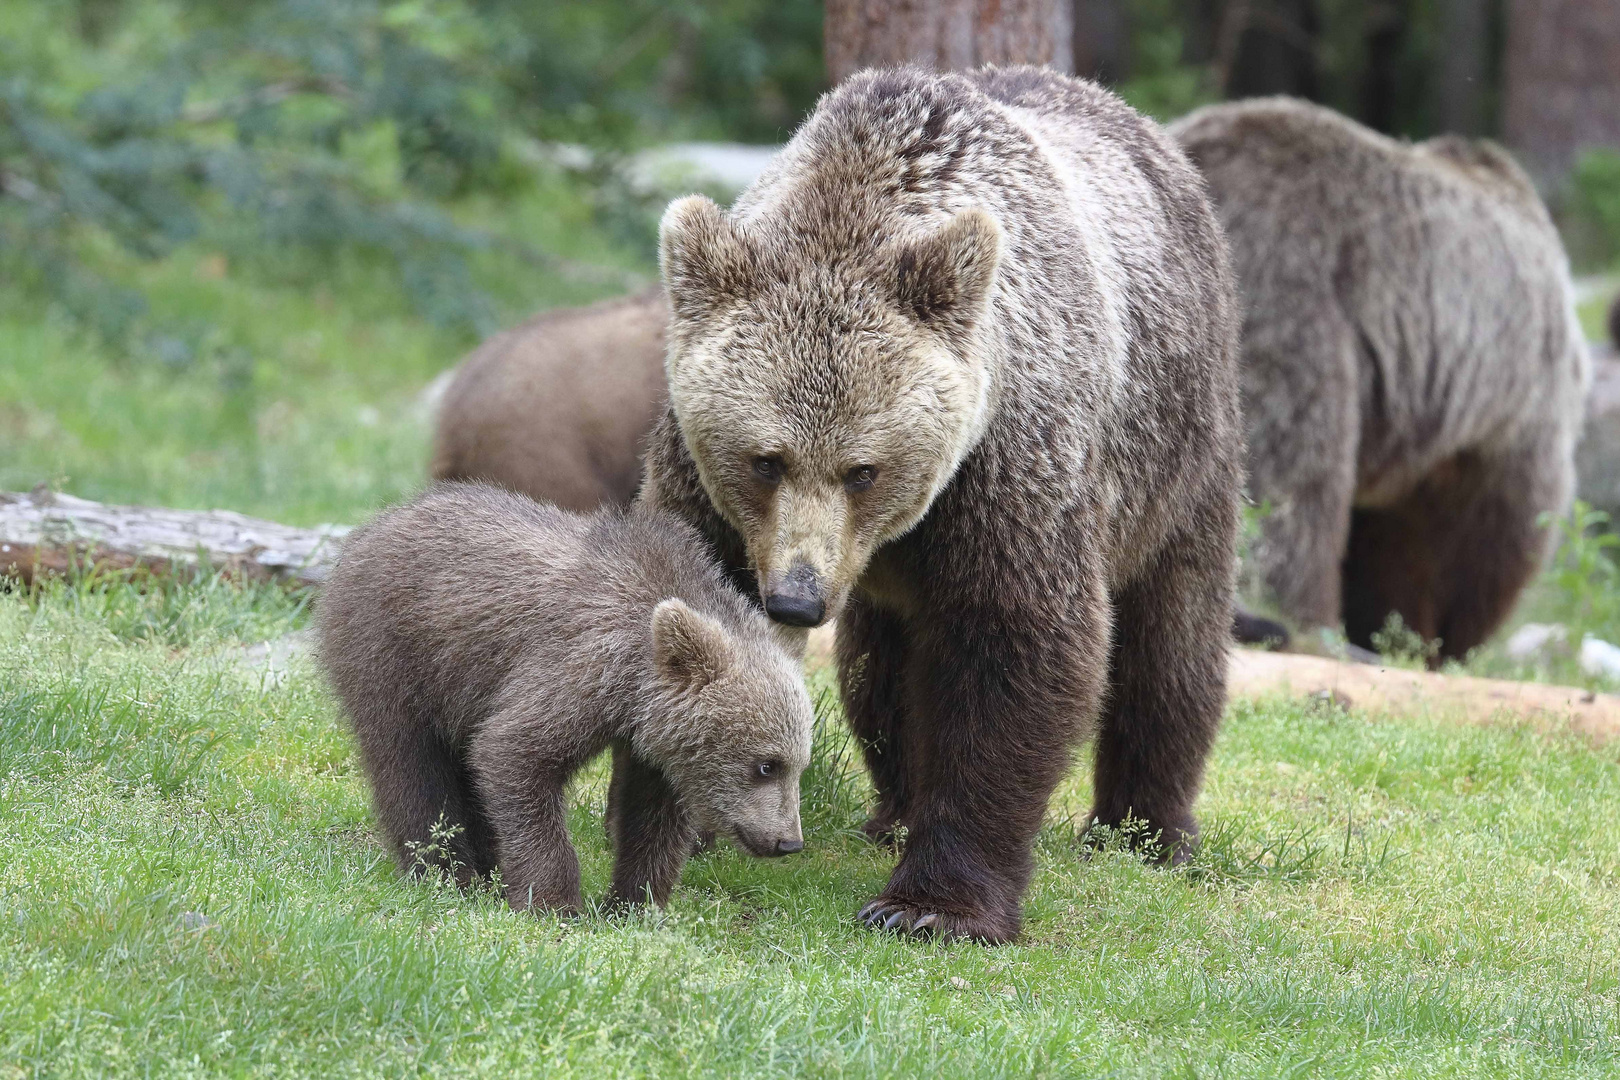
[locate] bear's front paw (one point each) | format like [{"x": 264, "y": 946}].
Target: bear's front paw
[{"x": 927, "y": 920}]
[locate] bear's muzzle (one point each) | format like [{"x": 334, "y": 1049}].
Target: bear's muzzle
[{"x": 797, "y": 600}]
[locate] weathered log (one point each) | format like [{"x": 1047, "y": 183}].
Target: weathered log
[
  {"x": 1400, "y": 692},
  {"x": 1255, "y": 674},
  {"x": 44, "y": 533}
]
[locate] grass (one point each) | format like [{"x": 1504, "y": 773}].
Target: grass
[
  {"x": 301, "y": 403},
  {"x": 192, "y": 886}
]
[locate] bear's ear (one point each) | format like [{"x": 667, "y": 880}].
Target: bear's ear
[
  {"x": 702, "y": 261},
  {"x": 944, "y": 279},
  {"x": 689, "y": 648}
]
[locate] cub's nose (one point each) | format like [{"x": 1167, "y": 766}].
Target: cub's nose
[
  {"x": 789, "y": 847},
  {"x": 796, "y": 600}
]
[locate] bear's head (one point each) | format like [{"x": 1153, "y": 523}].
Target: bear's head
[
  {"x": 827, "y": 391},
  {"x": 730, "y": 727}
]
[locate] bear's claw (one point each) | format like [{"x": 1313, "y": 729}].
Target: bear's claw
[
  {"x": 914, "y": 919},
  {"x": 900, "y": 917}
]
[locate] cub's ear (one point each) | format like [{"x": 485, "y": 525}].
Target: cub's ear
[
  {"x": 702, "y": 261},
  {"x": 944, "y": 279},
  {"x": 689, "y": 648}
]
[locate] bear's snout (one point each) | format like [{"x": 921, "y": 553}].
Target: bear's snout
[
  {"x": 789, "y": 847},
  {"x": 796, "y": 600}
]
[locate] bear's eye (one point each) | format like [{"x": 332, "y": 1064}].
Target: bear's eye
[
  {"x": 860, "y": 477},
  {"x": 765, "y": 770},
  {"x": 768, "y": 469}
]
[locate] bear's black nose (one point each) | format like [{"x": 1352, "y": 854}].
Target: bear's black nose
[
  {"x": 789, "y": 847},
  {"x": 796, "y": 599},
  {"x": 794, "y": 610}
]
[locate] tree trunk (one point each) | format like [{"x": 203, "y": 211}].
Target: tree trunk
[
  {"x": 44, "y": 533},
  {"x": 947, "y": 35},
  {"x": 1102, "y": 41},
  {"x": 1465, "y": 66},
  {"x": 1561, "y": 82},
  {"x": 1269, "y": 47}
]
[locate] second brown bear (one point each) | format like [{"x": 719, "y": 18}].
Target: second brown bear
[{"x": 1413, "y": 372}]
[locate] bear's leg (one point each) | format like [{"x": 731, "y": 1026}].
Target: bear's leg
[
  {"x": 1498, "y": 544},
  {"x": 522, "y": 789},
  {"x": 1301, "y": 408},
  {"x": 420, "y": 785},
  {"x": 1167, "y": 684},
  {"x": 871, "y": 652},
  {"x": 1392, "y": 565},
  {"x": 1452, "y": 557},
  {"x": 652, "y": 836},
  {"x": 995, "y": 701}
]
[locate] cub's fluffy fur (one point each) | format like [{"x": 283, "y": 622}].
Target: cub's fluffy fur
[
  {"x": 959, "y": 369},
  {"x": 487, "y": 646},
  {"x": 1412, "y": 369},
  {"x": 559, "y": 408}
]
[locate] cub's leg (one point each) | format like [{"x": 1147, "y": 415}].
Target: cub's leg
[
  {"x": 1167, "y": 682},
  {"x": 871, "y": 656},
  {"x": 420, "y": 782},
  {"x": 652, "y": 836},
  {"x": 996, "y": 698},
  {"x": 522, "y": 785}
]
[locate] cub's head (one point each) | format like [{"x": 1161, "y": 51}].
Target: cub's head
[
  {"x": 731, "y": 729},
  {"x": 827, "y": 391}
]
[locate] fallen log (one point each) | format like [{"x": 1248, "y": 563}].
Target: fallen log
[
  {"x": 44, "y": 533},
  {"x": 1377, "y": 689},
  {"x": 1255, "y": 674}
]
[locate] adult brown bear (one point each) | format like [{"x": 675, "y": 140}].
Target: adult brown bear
[
  {"x": 1413, "y": 373},
  {"x": 960, "y": 369}
]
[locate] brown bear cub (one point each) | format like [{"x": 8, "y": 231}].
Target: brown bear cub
[
  {"x": 559, "y": 408},
  {"x": 487, "y": 646}
]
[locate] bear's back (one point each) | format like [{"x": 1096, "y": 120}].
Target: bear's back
[
  {"x": 440, "y": 603},
  {"x": 559, "y": 407},
  {"x": 1440, "y": 261}
]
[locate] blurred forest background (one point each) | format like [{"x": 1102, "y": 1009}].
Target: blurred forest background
[{"x": 237, "y": 237}]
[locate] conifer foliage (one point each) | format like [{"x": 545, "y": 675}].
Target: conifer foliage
[{"x": 290, "y": 126}]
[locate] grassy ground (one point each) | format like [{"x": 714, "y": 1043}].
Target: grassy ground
[
  {"x": 301, "y": 404},
  {"x": 190, "y": 883},
  {"x": 192, "y": 886}
]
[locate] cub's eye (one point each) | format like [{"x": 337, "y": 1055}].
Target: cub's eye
[
  {"x": 860, "y": 477},
  {"x": 765, "y": 770},
  {"x": 768, "y": 469}
]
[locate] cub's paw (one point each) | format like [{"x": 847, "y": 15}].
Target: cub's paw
[{"x": 927, "y": 920}]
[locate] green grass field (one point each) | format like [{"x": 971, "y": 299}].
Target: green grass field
[{"x": 190, "y": 883}]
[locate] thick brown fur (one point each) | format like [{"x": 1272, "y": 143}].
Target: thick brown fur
[
  {"x": 1412, "y": 370},
  {"x": 559, "y": 408},
  {"x": 1006, "y": 294},
  {"x": 487, "y": 646}
]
